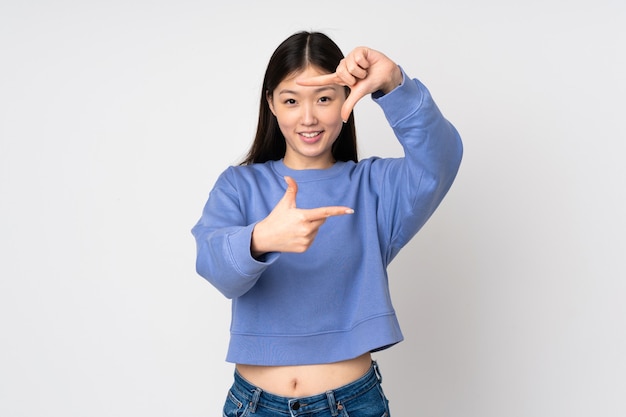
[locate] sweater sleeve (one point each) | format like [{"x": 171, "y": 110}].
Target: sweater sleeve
[
  {"x": 223, "y": 242},
  {"x": 412, "y": 187}
]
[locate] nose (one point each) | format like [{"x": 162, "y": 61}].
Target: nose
[{"x": 308, "y": 117}]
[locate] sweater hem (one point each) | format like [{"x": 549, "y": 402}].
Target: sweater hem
[{"x": 374, "y": 334}]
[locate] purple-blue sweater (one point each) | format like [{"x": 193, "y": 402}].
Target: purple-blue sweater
[{"x": 332, "y": 302}]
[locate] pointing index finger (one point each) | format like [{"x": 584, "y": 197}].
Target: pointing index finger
[{"x": 322, "y": 213}]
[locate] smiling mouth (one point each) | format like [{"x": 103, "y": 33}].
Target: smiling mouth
[{"x": 310, "y": 135}]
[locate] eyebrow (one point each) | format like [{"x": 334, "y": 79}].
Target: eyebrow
[{"x": 317, "y": 90}]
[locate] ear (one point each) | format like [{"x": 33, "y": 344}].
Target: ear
[{"x": 270, "y": 102}]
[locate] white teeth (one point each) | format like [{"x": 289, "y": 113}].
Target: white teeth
[{"x": 310, "y": 135}]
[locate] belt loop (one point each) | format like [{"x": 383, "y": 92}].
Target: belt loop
[
  {"x": 255, "y": 399},
  {"x": 379, "y": 376},
  {"x": 332, "y": 403}
]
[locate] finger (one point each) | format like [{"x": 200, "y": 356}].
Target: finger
[
  {"x": 356, "y": 73},
  {"x": 362, "y": 57},
  {"x": 346, "y": 77},
  {"x": 322, "y": 213},
  {"x": 357, "y": 69},
  {"x": 355, "y": 95},
  {"x": 290, "y": 194},
  {"x": 320, "y": 80}
]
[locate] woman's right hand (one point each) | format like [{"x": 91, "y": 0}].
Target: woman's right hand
[{"x": 288, "y": 228}]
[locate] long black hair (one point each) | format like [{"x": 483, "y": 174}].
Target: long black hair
[{"x": 294, "y": 54}]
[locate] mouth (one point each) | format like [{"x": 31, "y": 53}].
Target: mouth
[{"x": 311, "y": 137}]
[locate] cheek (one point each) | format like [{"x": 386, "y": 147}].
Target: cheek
[
  {"x": 334, "y": 120},
  {"x": 332, "y": 115},
  {"x": 285, "y": 120}
]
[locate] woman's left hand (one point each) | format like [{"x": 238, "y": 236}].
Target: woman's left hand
[{"x": 365, "y": 71}]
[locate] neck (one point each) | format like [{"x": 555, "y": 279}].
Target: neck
[{"x": 290, "y": 163}]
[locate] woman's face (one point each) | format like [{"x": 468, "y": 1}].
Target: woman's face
[{"x": 309, "y": 119}]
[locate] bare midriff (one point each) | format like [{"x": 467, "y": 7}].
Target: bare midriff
[{"x": 305, "y": 380}]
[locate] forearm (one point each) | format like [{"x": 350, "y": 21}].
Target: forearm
[
  {"x": 413, "y": 186},
  {"x": 223, "y": 239},
  {"x": 431, "y": 143},
  {"x": 223, "y": 258}
]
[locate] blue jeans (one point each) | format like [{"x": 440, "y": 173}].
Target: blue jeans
[{"x": 361, "y": 398}]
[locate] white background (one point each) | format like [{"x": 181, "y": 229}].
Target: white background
[{"x": 117, "y": 116}]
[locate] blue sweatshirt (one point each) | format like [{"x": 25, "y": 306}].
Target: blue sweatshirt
[{"x": 332, "y": 302}]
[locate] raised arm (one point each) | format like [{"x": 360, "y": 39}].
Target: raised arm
[{"x": 412, "y": 187}]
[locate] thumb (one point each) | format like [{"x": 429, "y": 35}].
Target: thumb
[
  {"x": 290, "y": 194},
  {"x": 355, "y": 95}
]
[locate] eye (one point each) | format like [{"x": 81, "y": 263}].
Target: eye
[
  {"x": 290, "y": 101},
  {"x": 325, "y": 99}
]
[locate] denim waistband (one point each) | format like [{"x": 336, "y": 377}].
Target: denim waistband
[{"x": 295, "y": 406}]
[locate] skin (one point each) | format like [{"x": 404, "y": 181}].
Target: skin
[{"x": 310, "y": 107}]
